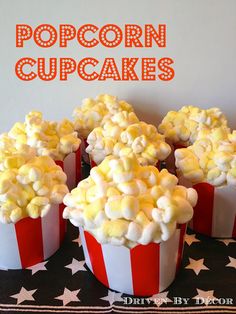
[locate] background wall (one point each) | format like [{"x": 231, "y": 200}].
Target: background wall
[{"x": 200, "y": 39}]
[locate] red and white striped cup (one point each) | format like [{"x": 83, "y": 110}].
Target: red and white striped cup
[
  {"x": 215, "y": 212},
  {"x": 143, "y": 270},
  {"x": 71, "y": 165},
  {"x": 31, "y": 241}
]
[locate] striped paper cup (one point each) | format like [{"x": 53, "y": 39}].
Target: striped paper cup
[
  {"x": 215, "y": 212},
  {"x": 142, "y": 271},
  {"x": 71, "y": 165},
  {"x": 31, "y": 241}
]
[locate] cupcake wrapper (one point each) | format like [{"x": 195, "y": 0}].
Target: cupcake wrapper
[
  {"x": 31, "y": 241},
  {"x": 143, "y": 270},
  {"x": 72, "y": 168},
  {"x": 215, "y": 212}
]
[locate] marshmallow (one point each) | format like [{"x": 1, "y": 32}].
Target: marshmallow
[
  {"x": 53, "y": 139},
  {"x": 95, "y": 112},
  {"x": 122, "y": 135},
  {"x": 189, "y": 123},
  {"x": 211, "y": 159},
  {"x": 119, "y": 204},
  {"x": 31, "y": 189}
]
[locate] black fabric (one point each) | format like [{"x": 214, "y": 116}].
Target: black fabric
[{"x": 51, "y": 283}]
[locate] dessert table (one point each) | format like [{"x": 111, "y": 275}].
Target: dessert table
[{"x": 63, "y": 284}]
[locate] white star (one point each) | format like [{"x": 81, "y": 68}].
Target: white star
[
  {"x": 232, "y": 262},
  {"x": 112, "y": 297},
  {"x": 205, "y": 296},
  {"x": 77, "y": 240},
  {"x": 196, "y": 265},
  {"x": 76, "y": 265},
  {"x": 226, "y": 241},
  {"x": 190, "y": 238},
  {"x": 160, "y": 298},
  {"x": 38, "y": 267},
  {"x": 68, "y": 296},
  {"x": 24, "y": 295}
]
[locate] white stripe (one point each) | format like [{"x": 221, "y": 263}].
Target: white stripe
[
  {"x": 224, "y": 212},
  {"x": 168, "y": 260},
  {"x": 51, "y": 231},
  {"x": 85, "y": 249},
  {"x": 9, "y": 252},
  {"x": 118, "y": 268},
  {"x": 70, "y": 170}
]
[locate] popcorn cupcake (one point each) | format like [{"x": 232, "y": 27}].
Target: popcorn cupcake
[
  {"x": 93, "y": 113},
  {"x": 122, "y": 135},
  {"x": 132, "y": 221},
  {"x": 58, "y": 140},
  {"x": 31, "y": 224},
  {"x": 209, "y": 166},
  {"x": 182, "y": 128}
]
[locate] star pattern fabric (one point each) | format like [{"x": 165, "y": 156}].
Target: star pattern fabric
[
  {"x": 78, "y": 241},
  {"x": 232, "y": 262},
  {"x": 112, "y": 297},
  {"x": 24, "y": 295},
  {"x": 69, "y": 296},
  {"x": 76, "y": 266},
  {"x": 191, "y": 238},
  {"x": 38, "y": 267},
  {"x": 204, "y": 296},
  {"x": 196, "y": 265},
  {"x": 160, "y": 298},
  {"x": 64, "y": 281}
]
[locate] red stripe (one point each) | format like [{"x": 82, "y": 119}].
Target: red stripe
[
  {"x": 181, "y": 245},
  {"x": 177, "y": 146},
  {"x": 85, "y": 143},
  {"x": 78, "y": 165},
  {"x": 145, "y": 261},
  {"x": 62, "y": 223},
  {"x": 30, "y": 241},
  {"x": 203, "y": 211},
  {"x": 60, "y": 163},
  {"x": 234, "y": 230},
  {"x": 96, "y": 258},
  {"x": 92, "y": 162}
]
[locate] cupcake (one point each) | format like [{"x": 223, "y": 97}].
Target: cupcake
[
  {"x": 123, "y": 135},
  {"x": 31, "y": 224},
  {"x": 182, "y": 128},
  {"x": 58, "y": 140},
  {"x": 209, "y": 166},
  {"x": 132, "y": 222},
  {"x": 94, "y": 112}
]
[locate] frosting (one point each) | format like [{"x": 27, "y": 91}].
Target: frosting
[
  {"x": 94, "y": 112},
  {"x": 54, "y": 139},
  {"x": 124, "y": 203},
  {"x": 211, "y": 159},
  {"x": 183, "y": 126},
  {"x": 122, "y": 135},
  {"x": 31, "y": 189}
]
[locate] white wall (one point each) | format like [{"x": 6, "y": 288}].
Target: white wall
[{"x": 200, "y": 38}]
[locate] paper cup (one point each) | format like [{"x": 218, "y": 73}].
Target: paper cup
[
  {"x": 215, "y": 212},
  {"x": 71, "y": 165},
  {"x": 84, "y": 145},
  {"x": 31, "y": 241},
  {"x": 142, "y": 271}
]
